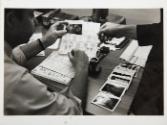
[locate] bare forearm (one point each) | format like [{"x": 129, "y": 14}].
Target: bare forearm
[
  {"x": 79, "y": 84},
  {"x": 31, "y": 49}
]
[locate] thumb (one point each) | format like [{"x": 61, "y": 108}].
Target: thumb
[
  {"x": 103, "y": 26},
  {"x": 61, "y": 32},
  {"x": 103, "y": 29}
]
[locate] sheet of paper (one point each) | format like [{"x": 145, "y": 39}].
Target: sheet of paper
[
  {"x": 60, "y": 64},
  {"x": 141, "y": 55},
  {"x": 116, "y": 41},
  {"x": 90, "y": 28},
  {"x": 130, "y": 50},
  {"x": 143, "y": 51},
  {"x": 85, "y": 43},
  {"x": 50, "y": 74},
  {"x": 136, "y": 54},
  {"x": 56, "y": 67},
  {"x": 111, "y": 47}
]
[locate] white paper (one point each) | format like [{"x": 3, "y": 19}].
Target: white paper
[
  {"x": 90, "y": 28},
  {"x": 136, "y": 54},
  {"x": 116, "y": 41},
  {"x": 56, "y": 67},
  {"x": 143, "y": 51},
  {"x": 88, "y": 44},
  {"x": 130, "y": 50}
]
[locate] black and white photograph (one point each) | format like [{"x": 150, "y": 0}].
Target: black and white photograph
[
  {"x": 66, "y": 43},
  {"x": 83, "y": 62},
  {"x": 113, "y": 88},
  {"x": 120, "y": 79},
  {"x": 106, "y": 101},
  {"x": 75, "y": 28}
]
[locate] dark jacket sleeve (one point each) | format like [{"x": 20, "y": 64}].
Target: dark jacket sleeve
[{"x": 151, "y": 34}]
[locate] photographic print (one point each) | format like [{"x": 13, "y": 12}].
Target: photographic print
[
  {"x": 74, "y": 35},
  {"x": 114, "y": 89},
  {"x": 106, "y": 101}
]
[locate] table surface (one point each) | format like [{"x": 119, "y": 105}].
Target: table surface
[{"x": 107, "y": 64}]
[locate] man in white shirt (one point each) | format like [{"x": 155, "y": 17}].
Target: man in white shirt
[{"x": 24, "y": 94}]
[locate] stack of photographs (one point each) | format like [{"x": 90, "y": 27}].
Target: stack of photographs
[{"x": 114, "y": 87}]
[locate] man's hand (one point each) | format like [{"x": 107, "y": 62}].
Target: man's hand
[
  {"x": 118, "y": 30},
  {"x": 53, "y": 33},
  {"x": 79, "y": 83},
  {"x": 79, "y": 60},
  {"x": 109, "y": 28}
]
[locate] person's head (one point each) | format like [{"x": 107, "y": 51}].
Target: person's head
[{"x": 19, "y": 26}]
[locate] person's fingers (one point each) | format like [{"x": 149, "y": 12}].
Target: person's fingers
[
  {"x": 103, "y": 30},
  {"x": 103, "y": 26},
  {"x": 101, "y": 36},
  {"x": 60, "y": 33},
  {"x": 62, "y": 22},
  {"x": 59, "y": 25},
  {"x": 76, "y": 52},
  {"x": 59, "y": 22}
]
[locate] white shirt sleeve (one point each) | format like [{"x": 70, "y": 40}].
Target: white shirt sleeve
[
  {"x": 18, "y": 56},
  {"x": 25, "y": 95}
]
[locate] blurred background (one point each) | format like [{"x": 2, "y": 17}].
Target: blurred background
[{"x": 133, "y": 16}]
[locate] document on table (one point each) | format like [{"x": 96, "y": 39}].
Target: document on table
[
  {"x": 136, "y": 54},
  {"x": 56, "y": 67},
  {"x": 87, "y": 42}
]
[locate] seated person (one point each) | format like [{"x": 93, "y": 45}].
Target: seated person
[
  {"x": 149, "y": 97},
  {"x": 24, "y": 94}
]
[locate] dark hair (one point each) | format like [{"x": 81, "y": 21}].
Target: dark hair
[{"x": 18, "y": 12}]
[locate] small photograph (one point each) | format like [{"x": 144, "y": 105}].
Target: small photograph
[
  {"x": 124, "y": 71},
  {"x": 106, "y": 101},
  {"x": 71, "y": 28},
  {"x": 113, "y": 89},
  {"x": 117, "y": 78},
  {"x": 74, "y": 29},
  {"x": 121, "y": 74},
  {"x": 120, "y": 80}
]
